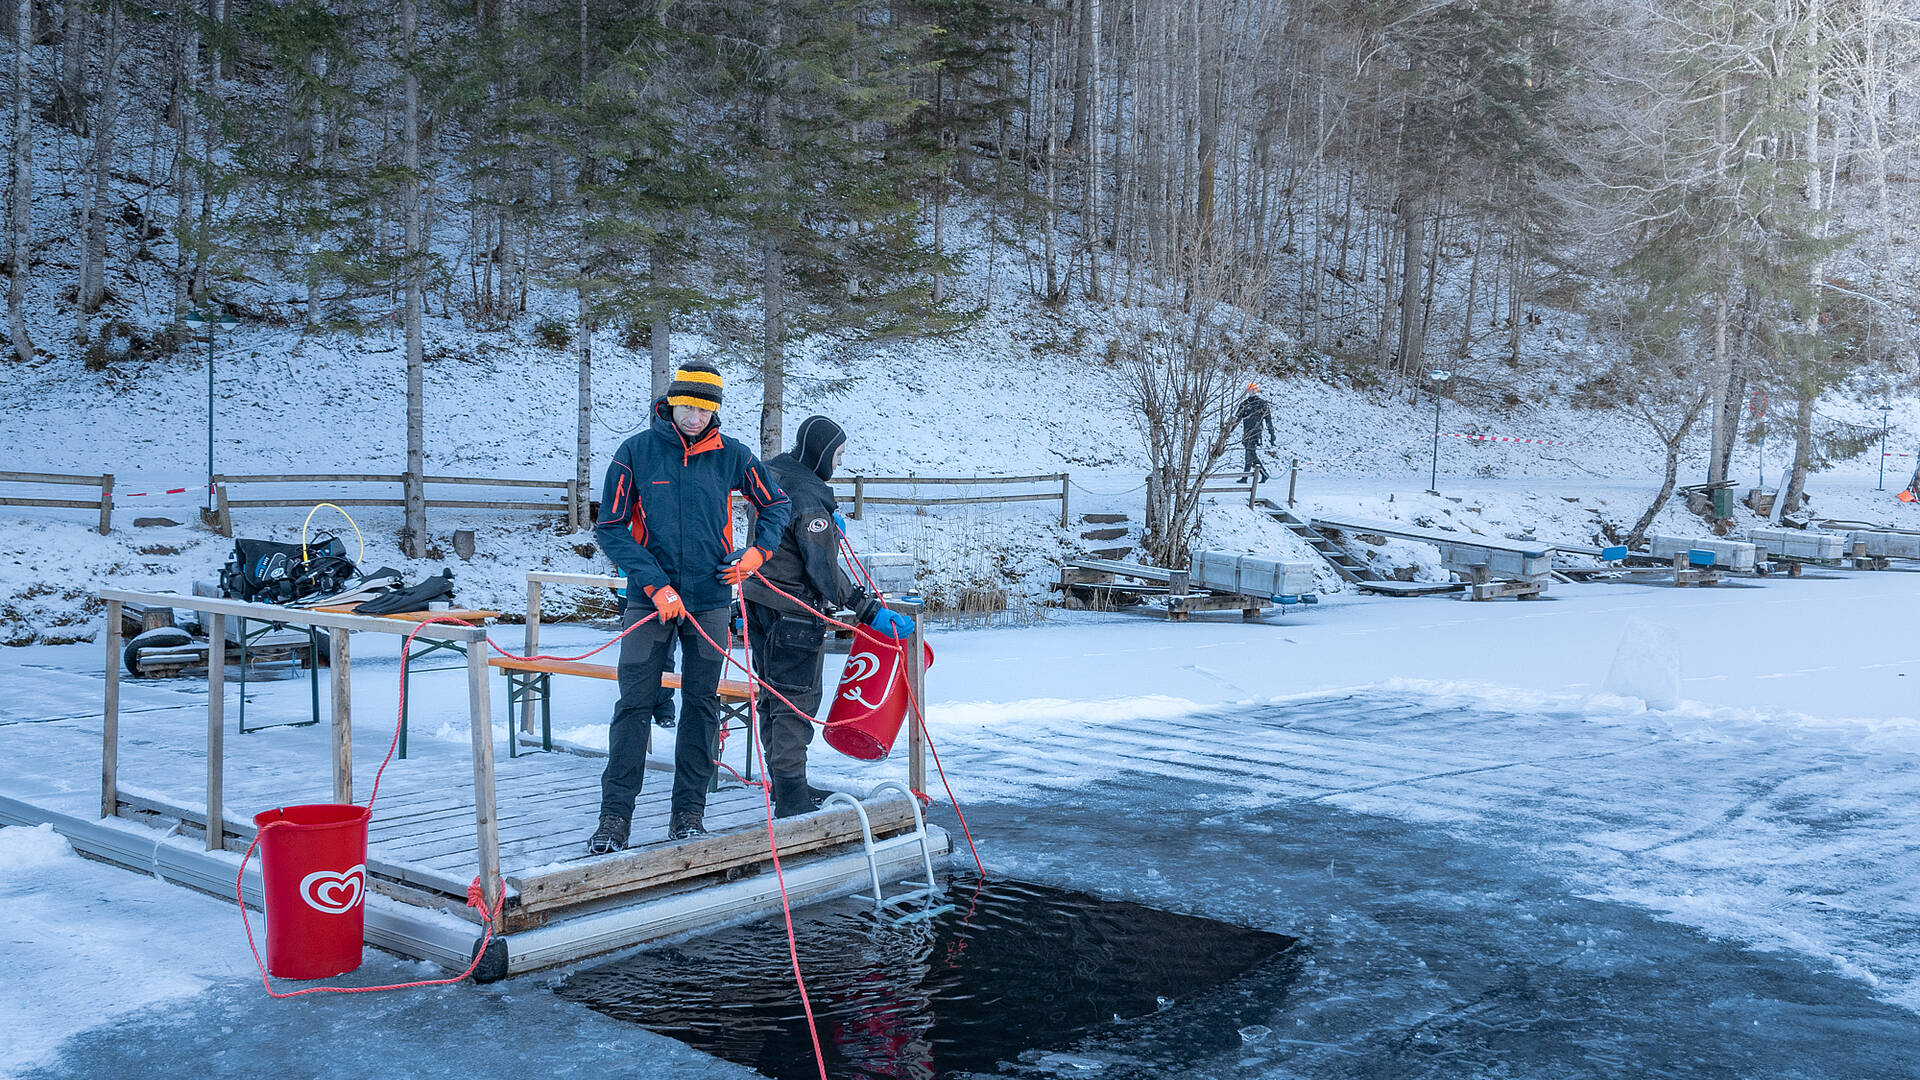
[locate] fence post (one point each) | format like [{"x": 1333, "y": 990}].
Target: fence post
[
  {"x": 222, "y": 517},
  {"x": 106, "y": 503},
  {"x": 1293, "y": 479},
  {"x": 859, "y": 496},
  {"x": 110, "y": 718},
  {"x": 1064, "y": 483},
  {"x": 573, "y": 504},
  {"x": 1253, "y": 488}
]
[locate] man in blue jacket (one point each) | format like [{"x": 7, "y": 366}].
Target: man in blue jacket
[{"x": 667, "y": 521}]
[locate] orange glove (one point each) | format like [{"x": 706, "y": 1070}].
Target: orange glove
[
  {"x": 742, "y": 568},
  {"x": 666, "y": 602}
]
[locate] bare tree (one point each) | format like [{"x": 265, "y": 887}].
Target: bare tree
[
  {"x": 413, "y": 535},
  {"x": 20, "y": 192},
  {"x": 97, "y": 209},
  {"x": 1180, "y": 371}
]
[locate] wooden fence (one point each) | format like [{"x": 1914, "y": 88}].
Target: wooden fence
[
  {"x": 104, "y": 504},
  {"x": 567, "y": 504},
  {"x": 862, "y": 500}
]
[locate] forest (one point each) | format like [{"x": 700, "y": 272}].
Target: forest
[{"x": 1720, "y": 186}]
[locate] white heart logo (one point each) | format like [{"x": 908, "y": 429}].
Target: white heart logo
[
  {"x": 334, "y": 893},
  {"x": 860, "y": 666}
]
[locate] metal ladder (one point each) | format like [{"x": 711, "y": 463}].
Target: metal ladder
[{"x": 918, "y": 890}]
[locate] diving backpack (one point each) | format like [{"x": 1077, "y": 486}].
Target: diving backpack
[{"x": 266, "y": 572}]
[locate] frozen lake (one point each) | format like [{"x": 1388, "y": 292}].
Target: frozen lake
[{"x": 1493, "y": 869}]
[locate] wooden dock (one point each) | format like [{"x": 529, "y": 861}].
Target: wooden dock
[{"x": 444, "y": 816}]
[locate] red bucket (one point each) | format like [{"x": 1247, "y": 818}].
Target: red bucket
[
  {"x": 871, "y": 702},
  {"x": 313, "y": 861}
]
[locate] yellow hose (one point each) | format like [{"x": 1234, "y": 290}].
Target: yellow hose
[{"x": 304, "y": 559}]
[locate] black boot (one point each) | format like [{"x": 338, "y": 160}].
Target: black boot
[
  {"x": 792, "y": 797},
  {"x": 610, "y": 837},
  {"x": 685, "y": 824}
]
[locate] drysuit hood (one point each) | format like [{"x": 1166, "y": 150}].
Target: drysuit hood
[{"x": 815, "y": 443}]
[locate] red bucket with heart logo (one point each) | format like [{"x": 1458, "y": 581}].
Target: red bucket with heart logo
[
  {"x": 871, "y": 703},
  {"x": 313, "y": 863}
]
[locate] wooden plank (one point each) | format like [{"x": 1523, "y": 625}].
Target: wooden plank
[
  {"x": 57, "y": 504},
  {"x": 110, "y": 716},
  {"x": 216, "y": 726},
  {"x": 632, "y": 871},
  {"x": 485, "y": 481},
  {"x": 247, "y": 504},
  {"x": 50, "y": 478},
  {"x": 298, "y": 616},
  {"x": 555, "y": 578},
  {"x": 731, "y": 690},
  {"x": 1047, "y": 478},
  {"x": 1124, "y": 569},
  {"x": 485, "y": 504},
  {"x": 486, "y": 826},
  {"x": 310, "y": 478},
  {"x": 957, "y": 501},
  {"x": 338, "y": 662}
]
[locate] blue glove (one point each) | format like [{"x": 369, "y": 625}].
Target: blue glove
[
  {"x": 840, "y": 523},
  {"x": 891, "y": 623}
]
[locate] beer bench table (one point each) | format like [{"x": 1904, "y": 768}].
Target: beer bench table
[
  {"x": 531, "y": 681},
  {"x": 433, "y": 645}
]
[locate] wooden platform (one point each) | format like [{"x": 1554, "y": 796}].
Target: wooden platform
[{"x": 159, "y": 756}]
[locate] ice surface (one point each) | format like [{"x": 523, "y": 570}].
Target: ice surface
[
  {"x": 1646, "y": 666},
  {"x": 1497, "y": 867}
]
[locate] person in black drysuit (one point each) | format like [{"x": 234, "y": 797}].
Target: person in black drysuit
[
  {"x": 1253, "y": 412},
  {"x": 788, "y": 642}
]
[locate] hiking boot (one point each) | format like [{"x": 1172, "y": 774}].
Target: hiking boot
[
  {"x": 793, "y": 796},
  {"x": 610, "y": 837},
  {"x": 685, "y": 824}
]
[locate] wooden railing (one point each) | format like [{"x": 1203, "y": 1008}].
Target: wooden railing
[
  {"x": 104, "y": 504},
  {"x": 567, "y": 504},
  {"x": 862, "y": 500}
]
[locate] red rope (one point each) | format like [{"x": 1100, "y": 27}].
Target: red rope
[
  {"x": 918, "y": 716},
  {"x": 921, "y": 719},
  {"x": 582, "y": 656},
  {"x": 476, "y": 895},
  {"x": 773, "y": 847}
]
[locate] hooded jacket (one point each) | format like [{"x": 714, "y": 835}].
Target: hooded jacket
[
  {"x": 807, "y": 562},
  {"x": 665, "y": 513}
]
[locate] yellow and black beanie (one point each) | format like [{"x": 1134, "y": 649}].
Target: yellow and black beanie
[{"x": 697, "y": 384}]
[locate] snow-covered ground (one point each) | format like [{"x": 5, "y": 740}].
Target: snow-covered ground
[{"x": 1499, "y": 864}]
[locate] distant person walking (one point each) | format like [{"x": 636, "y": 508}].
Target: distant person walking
[{"x": 1254, "y": 412}]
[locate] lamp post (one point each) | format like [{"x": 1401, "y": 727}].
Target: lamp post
[
  {"x": 195, "y": 320},
  {"x": 1884, "y": 410},
  {"x": 1439, "y": 378}
]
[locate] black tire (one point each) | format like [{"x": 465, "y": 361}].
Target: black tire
[{"x": 162, "y": 637}]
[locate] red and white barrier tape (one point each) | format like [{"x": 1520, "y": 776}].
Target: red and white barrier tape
[
  {"x": 137, "y": 494},
  {"x": 1504, "y": 438}
]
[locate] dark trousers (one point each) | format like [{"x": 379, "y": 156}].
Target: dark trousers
[
  {"x": 789, "y": 654},
  {"x": 1252, "y": 465},
  {"x": 644, "y": 656}
]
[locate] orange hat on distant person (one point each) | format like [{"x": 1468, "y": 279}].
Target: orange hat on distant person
[{"x": 1253, "y": 388}]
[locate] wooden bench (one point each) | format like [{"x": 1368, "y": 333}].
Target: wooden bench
[{"x": 531, "y": 681}]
